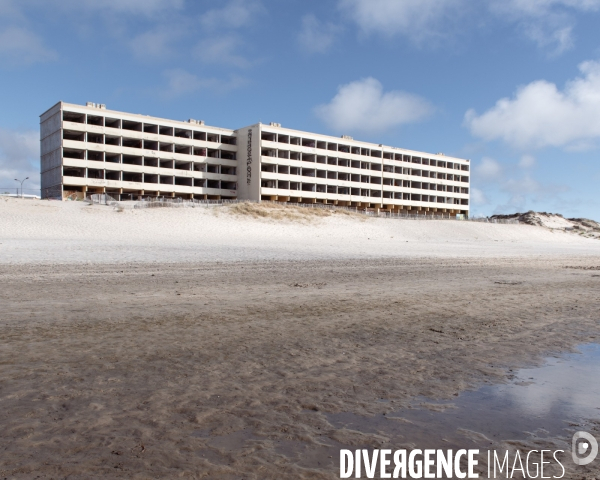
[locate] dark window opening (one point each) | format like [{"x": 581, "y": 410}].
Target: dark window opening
[
  {"x": 131, "y": 160},
  {"x": 73, "y": 172},
  {"x": 183, "y": 149},
  {"x": 128, "y": 125},
  {"x": 132, "y": 177},
  {"x": 183, "y": 166},
  {"x": 95, "y": 138},
  {"x": 79, "y": 154},
  {"x": 181, "y": 133},
  {"x": 132, "y": 143},
  {"x": 184, "y": 181},
  {"x": 94, "y": 120},
  {"x": 74, "y": 136},
  {"x": 94, "y": 173},
  {"x": 95, "y": 156},
  {"x": 73, "y": 117},
  {"x": 112, "y": 123}
]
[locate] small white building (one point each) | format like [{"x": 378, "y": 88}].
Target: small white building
[{"x": 89, "y": 149}]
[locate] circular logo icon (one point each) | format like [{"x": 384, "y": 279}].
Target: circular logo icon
[{"x": 584, "y": 444}]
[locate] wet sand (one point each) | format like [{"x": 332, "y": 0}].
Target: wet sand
[{"x": 232, "y": 370}]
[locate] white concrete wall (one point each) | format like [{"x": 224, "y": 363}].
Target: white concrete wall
[
  {"x": 248, "y": 140},
  {"x": 51, "y": 152}
]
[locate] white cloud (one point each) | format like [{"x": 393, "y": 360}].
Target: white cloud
[
  {"x": 541, "y": 115},
  {"x": 19, "y": 158},
  {"x": 9, "y": 9},
  {"x": 364, "y": 106},
  {"x": 146, "y": 7},
  {"x": 181, "y": 82},
  {"x": 549, "y": 23},
  {"x": 221, "y": 50},
  {"x": 488, "y": 169},
  {"x": 154, "y": 44},
  {"x": 415, "y": 19},
  {"x": 236, "y": 14},
  {"x": 19, "y": 46},
  {"x": 511, "y": 187},
  {"x": 478, "y": 197},
  {"x": 522, "y": 186},
  {"x": 527, "y": 161},
  {"x": 315, "y": 36}
]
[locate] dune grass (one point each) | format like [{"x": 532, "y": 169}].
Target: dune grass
[{"x": 278, "y": 211}]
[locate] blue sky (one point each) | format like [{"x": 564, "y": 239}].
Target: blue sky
[{"x": 513, "y": 85}]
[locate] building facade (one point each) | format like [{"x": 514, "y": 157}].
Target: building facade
[{"x": 89, "y": 149}]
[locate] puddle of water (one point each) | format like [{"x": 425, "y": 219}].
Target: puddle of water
[{"x": 539, "y": 401}]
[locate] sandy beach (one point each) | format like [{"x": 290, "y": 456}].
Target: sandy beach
[
  {"x": 199, "y": 343},
  {"x": 72, "y": 232}
]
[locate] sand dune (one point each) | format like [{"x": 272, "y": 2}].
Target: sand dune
[{"x": 55, "y": 232}]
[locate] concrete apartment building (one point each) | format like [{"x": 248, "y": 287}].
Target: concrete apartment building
[{"x": 89, "y": 149}]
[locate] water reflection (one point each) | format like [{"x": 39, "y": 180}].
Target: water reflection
[
  {"x": 538, "y": 402},
  {"x": 568, "y": 384}
]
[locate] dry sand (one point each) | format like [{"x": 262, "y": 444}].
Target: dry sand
[
  {"x": 55, "y": 232},
  {"x": 128, "y": 366}
]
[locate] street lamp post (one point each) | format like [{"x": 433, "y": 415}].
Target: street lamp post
[{"x": 16, "y": 180}]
